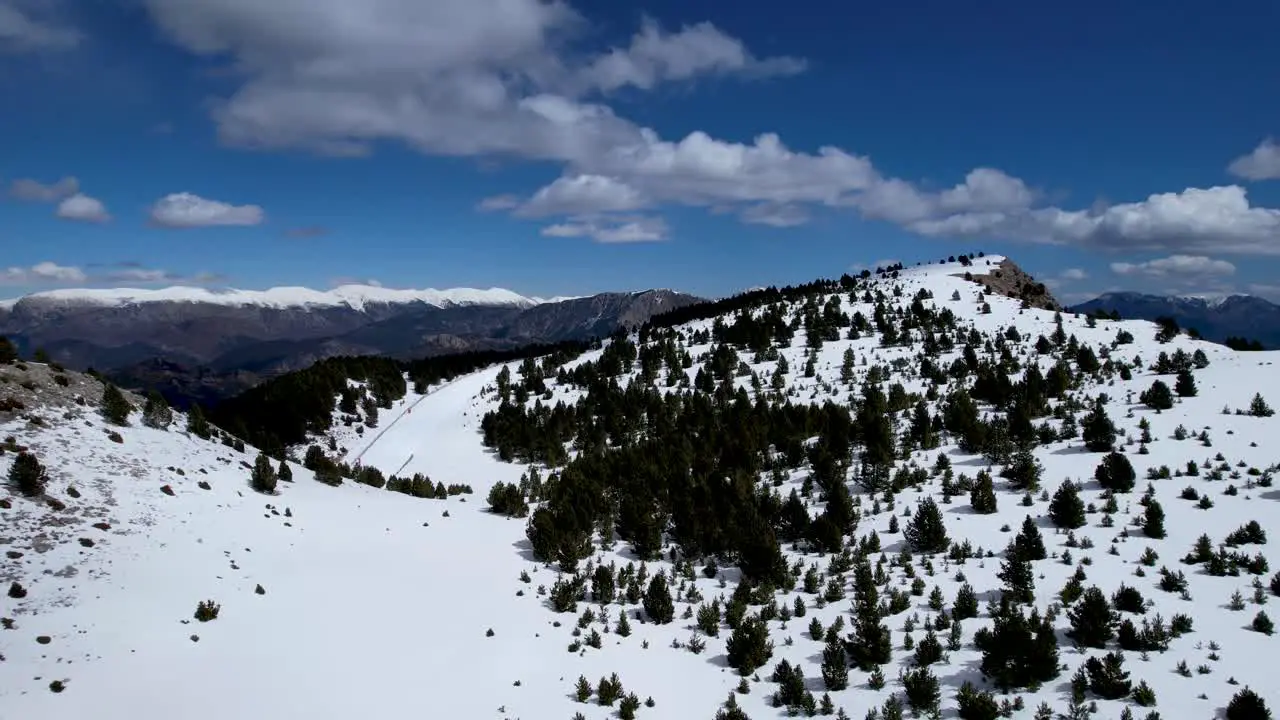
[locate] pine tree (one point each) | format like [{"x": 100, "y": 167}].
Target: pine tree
[
  {"x": 983, "y": 495},
  {"x": 1093, "y": 622},
  {"x": 966, "y": 603},
  {"x": 8, "y": 352},
  {"x": 1115, "y": 473},
  {"x": 926, "y": 532},
  {"x": 1028, "y": 544},
  {"x": 1097, "y": 430},
  {"x": 156, "y": 412},
  {"x": 197, "y": 424},
  {"x": 835, "y": 666},
  {"x": 923, "y": 694},
  {"x": 1024, "y": 470},
  {"x": 27, "y": 474},
  {"x": 749, "y": 647},
  {"x": 1248, "y": 705},
  {"x": 1066, "y": 510},
  {"x": 1258, "y": 407},
  {"x": 1153, "y": 520},
  {"x": 583, "y": 689},
  {"x": 1107, "y": 677},
  {"x": 1019, "y": 580},
  {"x": 1158, "y": 396},
  {"x": 115, "y": 408},
  {"x": 657, "y": 600},
  {"x": 284, "y": 472},
  {"x": 869, "y": 644},
  {"x": 1185, "y": 385},
  {"x": 263, "y": 478}
]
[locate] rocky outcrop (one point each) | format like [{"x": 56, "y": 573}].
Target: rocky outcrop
[{"x": 1006, "y": 278}]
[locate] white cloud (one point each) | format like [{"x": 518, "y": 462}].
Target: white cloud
[
  {"x": 82, "y": 208},
  {"x": 499, "y": 202},
  {"x": 1261, "y": 164},
  {"x": 510, "y": 78},
  {"x": 1212, "y": 220},
  {"x": 185, "y": 210},
  {"x": 1073, "y": 274},
  {"x": 610, "y": 229},
  {"x": 655, "y": 56},
  {"x": 44, "y": 273},
  {"x": 582, "y": 194},
  {"x": 28, "y": 27},
  {"x": 36, "y": 191},
  {"x": 1175, "y": 265}
]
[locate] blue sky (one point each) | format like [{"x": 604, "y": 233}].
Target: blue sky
[{"x": 556, "y": 148}]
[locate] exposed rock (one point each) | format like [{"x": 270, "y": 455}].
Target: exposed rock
[{"x": 1006, "y": 278}]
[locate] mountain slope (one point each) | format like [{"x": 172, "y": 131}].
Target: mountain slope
[
  {"x": 377, "y": 602},
  {"x": 196, "y": 344},
  {"x": 1216, "y": 319}
]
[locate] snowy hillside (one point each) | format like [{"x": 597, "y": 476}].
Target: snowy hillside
[{"x": 357, "y": 600}]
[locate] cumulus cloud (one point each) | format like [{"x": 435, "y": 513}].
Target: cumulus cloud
[
  {"x": 185, "y": 210},
  {"x": 36, "y": 191},
  {"x": 82, "y": 208},
  {"x": 519, "y": 79},
  {"x": 1261, "y": 164},
  {"x": 43, "y": 273},
  {"x": 1073, "y": 274},
  {"x": 27, "y": 27},
  {"x": 610, "y": 229},
  {"x": 1175, "y": 265}
]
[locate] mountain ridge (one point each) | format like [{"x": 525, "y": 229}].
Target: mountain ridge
[{"x": 1215, "y": 317}]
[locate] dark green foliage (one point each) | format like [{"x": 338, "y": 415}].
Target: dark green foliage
[
  {"x": 657, "y": 600},
  {"x": 835, "y": 666},
  {"x": 263, "y": 478},
  {"x": 1153, "y": 520},
  {"x": 1097, "y": 430},
  {"x": 926, "y": 532},
  {"x": 921, "y": 688},
  {"x": 749, "y": 647},
  {"x": 27, "y": 474},
  {"x": 1028, "y": 544},
  {"x": 507, "y": 499},
  {"x": 156, "y": 413},
  {"x": 983, "y": 495},
  {"x": 284, "y": 472},
  {"x": 1023, "y": 470},
  {"x": 1258, "y": 407},
  {"x": 1263, "y": 624},
  {"x": 1092, "y": 619},
  {"x": 1185, "y": 385},
  {"x": 115, "y": 408},
  {"x": 1158, "y": 396},
  {"x": 1107, "y": 677},
  {"x": 1115, "y": 473},
  {"x": 977, "y": 704},
  {"x": 197, "y": 424},
  {"x": 1066, "y": 510},
  {"x": 8, "y": 352},
  {"x": 966, "y": 603},
  {"x": 1248, "y": 705},
  {"x": 1018, "y": 578},
  {"x": 207, "y": 610},
  {"x": 869, "y": 644},
  {"x": 1018, "y": 650}
]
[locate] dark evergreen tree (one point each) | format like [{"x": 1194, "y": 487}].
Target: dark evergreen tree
[
  {"x": 1028, "y": 544},
  {"x": 156, "y": 413},
  {"x": 835, "y": 666},
  {"x": 869, "y": 644},
  {"x": 923, "y": 694},
  {"x": 657, "y": 600},
  {"x": 1153, "y": 520},
  {"x": 1097, "y": 430},
  {"x": 1018, "y": 650},
  {"x": 27, "y": 474},
  {"x": 1248, "y": 705},
  {"x": 966, "y": 603},
  {"x": 1066, "y": 510},
  {"x": 1115, "y": 473},
  {"x": 115, "y": 408},
  {"x": 1185, "y": 385},
  {"x": 1107, "y": 677},
  {"x": 926, "y": 532},
  {"x": 263, "y": 478},
  {"x": 983, "y": 495},
  {"x": 1093, "y": 622},
  {"x": 1158, "y": 396},
  {"x": 1023, "y": 471},
  {"x": 284, "y": 472},
  {"x": 749, "y": 647},
  {"x": 197, "y": 424},
  {"x": 8, "y": 352},
  {"x": 1019, "y": 580},
  {"x": 977, "y": 704}
]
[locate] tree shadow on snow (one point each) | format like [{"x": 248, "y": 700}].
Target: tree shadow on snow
[{"x": 525, "y": 549}]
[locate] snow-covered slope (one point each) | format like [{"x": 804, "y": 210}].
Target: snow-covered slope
[{"x": 378, "y": 604}]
